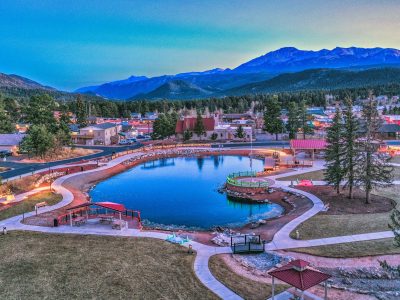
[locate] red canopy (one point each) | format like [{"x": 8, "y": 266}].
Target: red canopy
[
  {"x": 308, "y": 144},
  {"x": 109, "y": 205},
  {"x": 299, "y": 274}
]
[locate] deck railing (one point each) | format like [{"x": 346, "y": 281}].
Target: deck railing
[{"x": 232, "y": 179}]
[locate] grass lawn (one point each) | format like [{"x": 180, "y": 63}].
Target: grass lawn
[
  {"x": 322, "y": 225},
  {"x": 356, "y": 249},
  {"x": 52, "y": 266},
  {"x": 28, "y": 204},
  {"x": 395, "y": 159},
  {"x": 396, "y": 173},
  {"x": 314, "y": 175},
  {"x": 244, "y": 287}
]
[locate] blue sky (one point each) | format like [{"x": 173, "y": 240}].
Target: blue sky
[{"x": 69, "y": 44}]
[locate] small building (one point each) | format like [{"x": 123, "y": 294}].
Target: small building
[
  {"x": 136, "y": 116},
  {"x": 99, "y": 134},
  {"x": 389, "y": 131},
  {"x": 228, "y": 132},
  {"x": 11, "y": 141}
]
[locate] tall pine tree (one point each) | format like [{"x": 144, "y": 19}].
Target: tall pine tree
[
  {"x": 349, "y": 146},
  {"x": 199, "y": 128},
  {"x": 292, "y": 125},
  {"x": 334, "y": 152},
  {"x": 372, "y": 168},
  {"x": 304, "y": 120},
  {"x": 272, "y": 117}
]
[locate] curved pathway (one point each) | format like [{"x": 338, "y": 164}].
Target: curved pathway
[{"x": 281, "y": 239}]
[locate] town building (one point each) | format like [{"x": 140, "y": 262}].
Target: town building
[
  {"x": 11, "y": 141},
  {"x": 98, "y": 134}
]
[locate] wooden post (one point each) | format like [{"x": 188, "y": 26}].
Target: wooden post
[
  {"x": 273, "y": 288},
  {"x": 326, "y": 291},
  {"x": 120, "y": 216},
  {"x": 70, "y": 218}
]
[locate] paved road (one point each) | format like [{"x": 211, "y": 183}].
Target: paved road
[
  {"x": 284, "y": 144},
  {"x": 23, "y": 168}
]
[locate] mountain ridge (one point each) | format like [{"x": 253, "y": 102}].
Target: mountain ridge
[{"x": 264, "y": 67}]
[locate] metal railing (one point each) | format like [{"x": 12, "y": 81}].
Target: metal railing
[{"x": 232, "y": 179}]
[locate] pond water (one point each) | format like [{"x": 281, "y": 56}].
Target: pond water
[{"x": 182, "y": 192}]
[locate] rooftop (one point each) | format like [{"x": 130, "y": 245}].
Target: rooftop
[{"x": 11, "y": 139}]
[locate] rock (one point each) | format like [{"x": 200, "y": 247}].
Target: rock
[{"x": 346, "y": 281}]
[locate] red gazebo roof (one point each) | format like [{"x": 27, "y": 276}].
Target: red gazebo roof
[
  {"x": 109, "y": 205},
  {"x": 308, "y": 144},
  {"x": 299, "y": 274}
]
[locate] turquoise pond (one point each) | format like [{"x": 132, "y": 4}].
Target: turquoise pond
[{"x": 182, "y": 192}]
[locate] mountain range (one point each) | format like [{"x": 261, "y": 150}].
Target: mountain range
[
  {"x": 268, "y": 72},
  {"x": 286, "y": 69}
]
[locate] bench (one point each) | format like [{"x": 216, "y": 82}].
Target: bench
[
  {"x": 78, "y": 221},
  {"x": 39, "y": 205},
  {"x": 119, "y": 224}
]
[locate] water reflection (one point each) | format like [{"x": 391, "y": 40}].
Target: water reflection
[{"x": 183, "y": 191}]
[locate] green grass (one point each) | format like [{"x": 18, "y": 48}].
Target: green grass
[
  {"x": 313, "y": 175},
  {"x": 396, "y": 173},
  {"x": 244, "y": 287},
  {"x": 356, "y": 249},
  {"x": 28, "y": 204},
  {"x": 323, "y": 226},
  {"x": 53, "y": 266}
]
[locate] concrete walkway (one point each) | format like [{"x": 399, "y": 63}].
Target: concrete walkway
[{"x": 281, "y": 239}]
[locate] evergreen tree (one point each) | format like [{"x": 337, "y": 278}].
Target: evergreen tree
[
  {"x": 6, "y": 125},
  {"x": 161, "y": 127},
  {"x": 334, "y": 154},
  {"x": 40, "y": 112},
  {"x": 240, "y": 132},
  {"x": 199, "y": 128},
  {"x": 349, "y": 146},
  {"x": 63, "y": 135},
  {"x": 395, "y": 226},
  {"x": 372, "y": 168},
  {"x": 292, "y": 125},
  {"x": 272, "y": 118},
  {"x": 39, "y": 141},
  {"x": 214, "y": 136},
  {"x": 81, "y": 114},
  {"x": 187, "y": 135},
  {"x": 304, "y": 119}
]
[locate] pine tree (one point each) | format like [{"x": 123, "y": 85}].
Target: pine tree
[
  {"x": 395, "y": 226},
  {"x": 39, "y": 141},
  {"x": 272, "y": 118},
  {"x": 6, "y": 125},
  {"x": 199, "y": 129},
  {"x": 304, "y": 120},
  {"x": 40, "y": 112},
  {"x": 187, "y": 135},
  {"x": 349, "y": 146},
  {"x": 334, "y": 152},
  {"x": 81, "y": 115},
  {"x": 240, "y": 132},
  {"x": 292, "y": 125},
  {"x": 372, "y": 169}
]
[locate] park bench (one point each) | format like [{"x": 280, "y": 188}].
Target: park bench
[{"x": 39, "y": 205}]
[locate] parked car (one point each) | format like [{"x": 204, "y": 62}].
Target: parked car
[
  {"x": 142, "y": 137},
  {"x": 4, "y": 153},
  {"x": 124, "y": 142}
]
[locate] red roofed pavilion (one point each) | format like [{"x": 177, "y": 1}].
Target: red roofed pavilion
[
  {"x": 313, "y": 145},
  {"x": 300, "y": 275}
]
